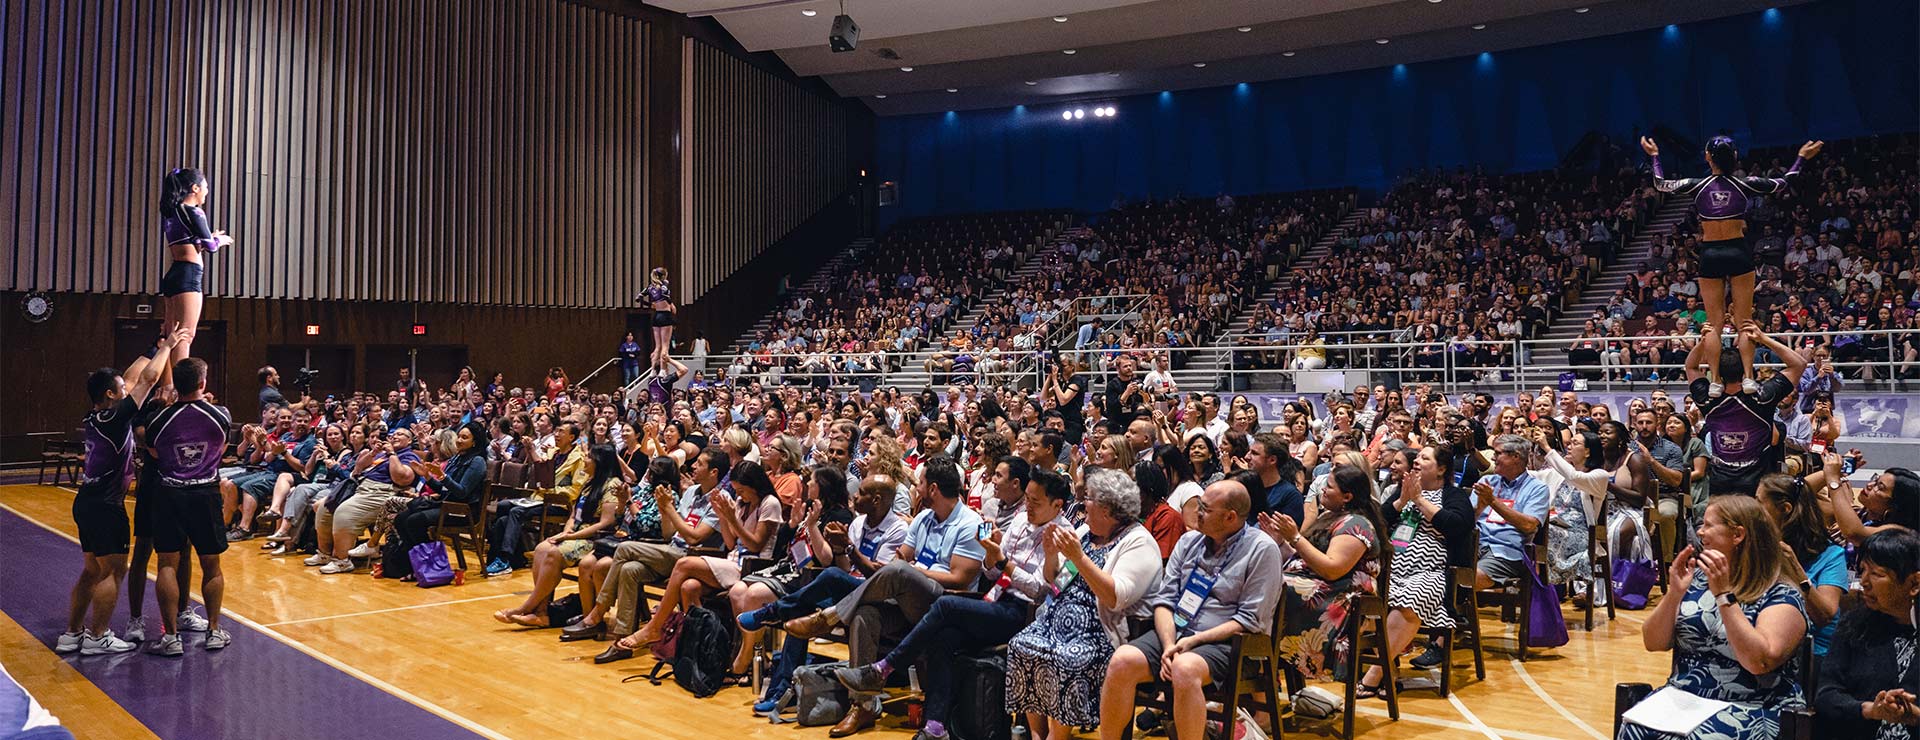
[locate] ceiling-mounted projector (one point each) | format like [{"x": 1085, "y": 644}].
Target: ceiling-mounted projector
[{"x": 845, "y": 35}]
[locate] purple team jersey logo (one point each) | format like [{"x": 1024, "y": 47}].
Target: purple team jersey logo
[
  {"x": 190, "y": 454},
  {"x": 1721, "y": 198},
  {"x": 1732, "y": 441}
]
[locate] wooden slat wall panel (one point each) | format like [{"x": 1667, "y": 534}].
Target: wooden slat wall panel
[
  {"x": 433, "y": 150},
  {"x": 762, "y": 155}
]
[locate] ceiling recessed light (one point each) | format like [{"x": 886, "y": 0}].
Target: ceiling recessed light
[
  {"x": 1288, "y": 53},
  {"x": 953, "y": 89},
  {"x": 1581, "y": 10},
  {"x": 1479, "y": 26},
  {"x": 1069, "y": 51},
  {"x": 906, "y": 69},
  {"x": 881, "y": 96},
  {"x": 1059, "y": 19},
  {"x": 1031, "y": 83},
  {"x": 809, "y": 12},
  {"x": 1380, "y": 41},
  {"x": 1066, "y": 115},
  {"x": 1244, "y": 29},
  {"x": 1436, "y": 2},
  {"x": 1199, "y": 64}
]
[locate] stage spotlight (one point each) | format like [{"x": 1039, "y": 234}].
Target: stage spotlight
[
  {"x": 1079, "y": 113},
  {"x": 1066, "y": 115}
]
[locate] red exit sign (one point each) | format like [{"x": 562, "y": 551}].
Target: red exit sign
[
  {"x": 313, "y": 330},
  {"x": 419, "y": 330}
]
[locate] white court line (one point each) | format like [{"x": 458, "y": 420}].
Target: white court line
[
  {"x": 393, "y": 609},
  {"x": 403, "y": 694},
  {"x": 1454, "y": 699},
  {"x": 1453, "y": 724},
  {"x": 1542, "y": 693}
]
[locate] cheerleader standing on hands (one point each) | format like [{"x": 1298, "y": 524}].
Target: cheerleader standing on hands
[{"x": 184, "y": 227}]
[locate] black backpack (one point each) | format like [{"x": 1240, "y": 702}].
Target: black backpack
[{"x": 703, "y": 653}]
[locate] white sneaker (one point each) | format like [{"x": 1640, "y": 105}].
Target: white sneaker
[
  {"x": 104, "y": 644},
  {"x": 363, "y": 550},
  {"x": 67, "y": 642},
  {"x": 191, "y": 621},
  {"x": 1716, "y": 390},
  {"x": 319, "y": 558},
  {"x": 1750, "y": 387},
  {"x": 280, "y": 549},
  {"x": 168, "y": 645},
  {"x": 218, "y": 639},
  {"x": 136, "y": 631},
  {"x": 342, "y": 565}
]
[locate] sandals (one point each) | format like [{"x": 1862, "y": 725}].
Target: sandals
[
  {"x": 1363, "y": 691},
  {"x": 528, "y": 620}
]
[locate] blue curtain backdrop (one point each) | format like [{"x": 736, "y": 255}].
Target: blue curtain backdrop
[{"x": 1829, "y": 70}]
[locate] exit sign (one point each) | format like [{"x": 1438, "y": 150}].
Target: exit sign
[
  {"x": 419, "y": 330},
  {"x": 313, "y": 330}
]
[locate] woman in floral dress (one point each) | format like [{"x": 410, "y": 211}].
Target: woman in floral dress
[{"x": 1336, "y": 558}]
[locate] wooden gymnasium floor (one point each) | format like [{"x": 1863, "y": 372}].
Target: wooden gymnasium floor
[{"x": 346, "y": 656}]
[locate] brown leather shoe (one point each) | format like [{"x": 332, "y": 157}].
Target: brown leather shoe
[
  {"x": 611, "y": 654},
  {"x": 858, "y": 718},
  {"x": 817, "y": 624}
]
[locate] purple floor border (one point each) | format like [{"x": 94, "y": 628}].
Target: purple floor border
[{"x": 258, "y": 687}]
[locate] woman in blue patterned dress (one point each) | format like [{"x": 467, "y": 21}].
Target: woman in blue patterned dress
[
  {"x": 1056, "y": 665},
  {"x": 1737, "y": 628}
]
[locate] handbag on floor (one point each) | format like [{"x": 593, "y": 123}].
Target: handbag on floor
[
  {"x": 429, "y": 561},
  {"x": 1634, "y": 576},
  {"x": 819, "y": 697},
  {"x": 1546, "y": 626}
]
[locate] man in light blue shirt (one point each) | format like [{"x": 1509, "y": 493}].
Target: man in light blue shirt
[
  {"x": 942, "y": 552},
  {"x": 1511, "y": 504}
]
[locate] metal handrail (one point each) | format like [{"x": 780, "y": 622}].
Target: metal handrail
[{"x": 596, "y": 371}]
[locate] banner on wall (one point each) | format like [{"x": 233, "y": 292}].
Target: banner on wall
[{"x": 1872, "y": 415}]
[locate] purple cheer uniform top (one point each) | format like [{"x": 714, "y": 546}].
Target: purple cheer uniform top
[
  {"x": 1738, "y": 431},
  {"x": 188, "y": 225},
  {"x": 109, "y": 455},
  {"x": 1722, "y": 197},
  {"x": 188, "y": 439}
]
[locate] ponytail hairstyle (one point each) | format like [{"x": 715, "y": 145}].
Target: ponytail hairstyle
[
  {"x": 175, "y": 187},
  {"x": 1722, "y": 153}
]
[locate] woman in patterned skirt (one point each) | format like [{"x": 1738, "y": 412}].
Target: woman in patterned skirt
[
  {"x": 1336, "y": 558},
  {"x": 1055, "y": 666},
  {"x": 1432, "y": 530},
  {"x": 1736, "y": 629},
  {"x": 1577, "y": 500}
]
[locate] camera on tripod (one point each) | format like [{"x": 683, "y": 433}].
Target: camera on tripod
[{"x": 303, "y": 379}]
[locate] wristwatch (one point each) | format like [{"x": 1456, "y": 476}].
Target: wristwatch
[
  {"x": 1726, "y": 599},
  {"x": 1833, "y": 485},
  {"x": 1806, "y": 586}
]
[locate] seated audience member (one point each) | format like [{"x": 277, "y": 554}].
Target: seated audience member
[
  {"x": 1281, "y": 477},
  {"x": 1177, "y": 462},
  {"x": 688, "y": 522},
  {"x": 383, "y": 474},
  {"x": 511, "y": 517},
  {"x": 1336, "y": 558},
  {"x": 332, "y": 462},
  {"x": 601, "y": 500},
  {"x": 1222, "y": 580},
  {"x": 1009, "y": 478},
  {"x": 1015, "y": 559},
  {"x": 1869, "y": 687},
  {"x": 942, "y": 551},
  {"x": 749, "y": 524},
  {"x": 865, "y": 546},
  {"x": 462, "y": 480},
  {"x": 638, "y": 521},
  {"x": 1161, "y": 520},
  {"x": 816, "y": 524},
  {"x": 1432, "y": 532},
  {"x": 1056, "y": 665},
  {"x": 1808, "y": 558},
  {"x": 1579, "y": 488},
  {"x": 1891, "y": 500},
  {"x": 1511, "y": 504},
  {"x": 1735, "y": 629}
]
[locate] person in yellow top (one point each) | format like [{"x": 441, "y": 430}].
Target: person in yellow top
[
  {"x": 510, "y": 517},
  {"x": 1312, "y": 354}
]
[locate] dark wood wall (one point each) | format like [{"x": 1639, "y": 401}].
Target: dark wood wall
[{"x": 43, "y": 366}]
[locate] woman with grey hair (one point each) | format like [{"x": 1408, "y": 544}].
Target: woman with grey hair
[{"x": 1055, "y": 666}]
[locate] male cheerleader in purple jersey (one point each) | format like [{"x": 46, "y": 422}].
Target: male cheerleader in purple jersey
[
  {"x": 188, "y": 439},
  {"x": 99, "y": 507},
  {"x": 1726, "y": 260}
]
